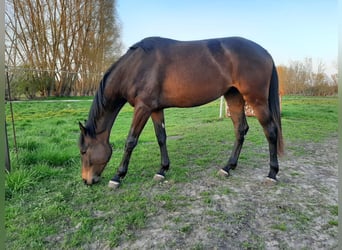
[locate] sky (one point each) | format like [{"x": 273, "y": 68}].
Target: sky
[{"x": 289, "y": 29}]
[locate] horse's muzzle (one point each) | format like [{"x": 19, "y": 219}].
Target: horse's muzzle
[{"x": 91, "y": 181}]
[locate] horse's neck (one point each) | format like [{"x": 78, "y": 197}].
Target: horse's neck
[
  {"x": 107, "y": 103},
  {"x": 104, "y": 121}
]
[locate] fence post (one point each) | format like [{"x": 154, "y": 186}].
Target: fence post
[
  {"x": 7, "y": 156},
  {"x": 2, "y": 122},
  {"x": 221, "y": 107}
]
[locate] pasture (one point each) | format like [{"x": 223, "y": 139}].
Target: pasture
[{"x": 49, "y": 207}]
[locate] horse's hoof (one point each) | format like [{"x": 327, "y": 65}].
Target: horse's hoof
[
  {"x": 223, "y": 173},
  {"x": 270, "y": 182},
  {"x": 158, "y": 177},
  {"x": 113, "y": 184}
]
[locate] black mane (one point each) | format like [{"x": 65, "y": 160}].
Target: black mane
[{"x": 99, "y": 104}]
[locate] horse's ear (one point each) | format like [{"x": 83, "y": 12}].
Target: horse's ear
[{"x": 82, "y": 128}]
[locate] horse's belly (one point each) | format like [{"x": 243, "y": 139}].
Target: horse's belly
[
  {"x": 191, "y": 94},
  {"x": 194, "y": 82}
]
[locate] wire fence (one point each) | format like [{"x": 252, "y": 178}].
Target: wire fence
[
  {"x": 30, "y": 83},
  {"x": 24, "y": 83}
]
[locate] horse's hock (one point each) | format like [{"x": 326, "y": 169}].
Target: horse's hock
[{"x": 248, "y": 109}]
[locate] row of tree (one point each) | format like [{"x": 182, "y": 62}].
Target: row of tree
[
  {"x": 301, "y": 78},
  {"x": 62, "y": 48},
  {"x": 298, "y": 78},
  {"x": 59, "y": 39}
]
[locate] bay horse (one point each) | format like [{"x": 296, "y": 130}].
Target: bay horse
[{"x": 158, "y": 73}]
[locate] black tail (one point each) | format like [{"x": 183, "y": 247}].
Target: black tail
[{"x": 274, "y": 106}]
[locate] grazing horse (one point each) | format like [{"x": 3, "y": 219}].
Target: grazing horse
[{"x": 158, "y": 73}]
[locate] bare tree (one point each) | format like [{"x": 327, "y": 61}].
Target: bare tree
[
  {"x": 300, "y": 78},
  {"x": 63, "y": 38}
]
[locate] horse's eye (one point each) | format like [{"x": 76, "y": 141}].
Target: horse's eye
[{"x": 83, "y": 152}]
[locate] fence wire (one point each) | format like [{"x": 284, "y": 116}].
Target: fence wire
[{"x": 30, "y": 83}]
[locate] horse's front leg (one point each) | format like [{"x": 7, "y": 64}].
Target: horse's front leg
[
  {"x": 159, "y": 127},
  {"x": 141, "y": 115}
]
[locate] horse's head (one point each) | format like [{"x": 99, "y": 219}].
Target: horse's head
[{"x": 95, "y": 153}]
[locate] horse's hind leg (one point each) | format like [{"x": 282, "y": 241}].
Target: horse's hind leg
[
  {"x": 159, "y": 127},
  {"x": 236, "y": 105},
  {"x": 270, "y": 130}
]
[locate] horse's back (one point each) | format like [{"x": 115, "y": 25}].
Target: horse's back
[
  {"x": 238, "y": 52},
  {"x": 234, "y": 44},
  {"x": 191, "y": 73}
]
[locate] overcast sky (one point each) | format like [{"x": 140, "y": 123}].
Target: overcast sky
[{"x": 288, "y": 29}]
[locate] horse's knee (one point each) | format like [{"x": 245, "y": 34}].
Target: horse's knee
[
  {"x": 131, "y": 142},
  {"x": 161, "y": 140}
]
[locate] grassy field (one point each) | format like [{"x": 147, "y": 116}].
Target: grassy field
[{"x": 48, "y": 206}]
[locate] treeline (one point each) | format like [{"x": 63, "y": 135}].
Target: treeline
[
  {"x": 300, "y": 78},
  {"x": 63, "y": 47},
  {"x": 50, "y": 42}
]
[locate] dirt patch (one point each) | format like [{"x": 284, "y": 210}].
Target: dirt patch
[{"x": 241, "y": 212}]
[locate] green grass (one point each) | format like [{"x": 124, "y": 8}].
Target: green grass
[
  {"x": 47, "y": 205},
  {"x": 309, "y": 118},
  {"x": 333, "y": 210},
  {"x": 281, "y": 226}
]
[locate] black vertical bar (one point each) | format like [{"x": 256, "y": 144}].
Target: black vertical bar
[
  {"x": 7, "y": 156},
  {"x": 2, "y": 123},
  {"x": 11, "y": 108}
]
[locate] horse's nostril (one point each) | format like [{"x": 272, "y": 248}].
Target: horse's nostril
[
  {"x": 96, "y": 179},
  {"x": 87, "y": 183}
]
